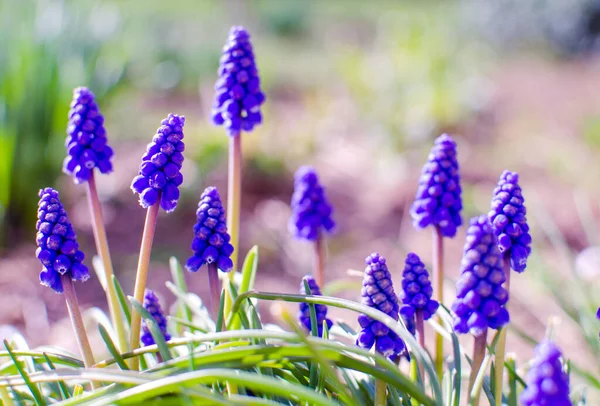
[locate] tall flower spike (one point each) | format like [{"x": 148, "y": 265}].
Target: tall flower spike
[
  {"x": 416, "y": 290},
  {"x": 311, "y": 211},
  {"x": 509, "y": 222},
  {"x": 547, "y": 382},
  {"x": 211, "y": 239},
  {"x": 438, "y": 200},
  {"x": 152, "y": 304},
  {"x": 238, "y": 96},
  {"x": 481, "y": 299},
  {"x": 378, "y": 293},
  {"x": 160, "y": 170},
  {"x": 86, "y": 141},
  {"x": 320, "y": 310},
  {"x": 58, "y": 250}
]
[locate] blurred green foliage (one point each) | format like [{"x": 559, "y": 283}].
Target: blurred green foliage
[{"x": 41, "y": 60}]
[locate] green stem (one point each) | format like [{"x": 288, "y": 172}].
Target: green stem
[
  {"x": 414, "y": 376},
  {"x": 479, "y": 348},
  {"x": 438, "y": 277},
  {"x": 319, "y": 270},
  {"x": 420, "y": 329},
  {"x": 234, "y": 197},
  {"x": 104, "y": 253},
  {"x": 501, "y": 346},
  {"x": 142, "y": 276},
  {"x": 77, "y": 320},
  {"x": 380, "y": 393},
  {"x": 215, "y": 289}
]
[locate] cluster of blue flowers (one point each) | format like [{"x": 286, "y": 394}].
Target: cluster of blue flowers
[
  {"x": 416, "y": 290},
  {"x": 438, "y": 200},
  {"x": 160, "y": 171},
  {"x": 480, "y": 297},
  {"x": 211, "y": 239},
  {"x": 320, "y": 310},
  {"x": 378, "y": 293},
  {"x": 238, "y": 97},
  {"x": 152, "y": 304},
  {"x": 86, "y": 141},
  {"x": 58, "y": 250},
  {"x": 311, "y": 211},
  {"x": 509, "y": 222}
]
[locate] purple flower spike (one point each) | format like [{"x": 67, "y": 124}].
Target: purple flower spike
[
  {"x": 211, "y": 239},
  {"x": 152, "y": 304},
  {"x": 57, "y": 250},
  {"x": 509, "y": 222},
  {"x": 86, "y": 142},
  {"x": 320, "y": 310},
  {"x": 416, "y": 290},
  {"x": 480, "y": 298},
  {"x": 238, "y": 96},
  {"x": 438, "y": 201},
  {"x": 160, "y": 170},
  {"x": 311, "y": 211},
  {"x": 378, "y": 293},
  {"x": 547, "y": 382}
]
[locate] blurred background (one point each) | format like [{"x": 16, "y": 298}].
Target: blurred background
[{"x": 357, "y": 89}]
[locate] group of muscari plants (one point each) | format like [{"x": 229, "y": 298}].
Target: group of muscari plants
[{"x": 223, "y": 353}]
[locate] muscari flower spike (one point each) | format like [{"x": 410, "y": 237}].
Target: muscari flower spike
[
  {"x": 211, "y": 239},
  {"x": 378, "y": 293},
  {"x": 86, "y": 141},
  {"x": 58, "y": 250},
  {"x": 152, "y": 305},
  {"x": 311, "y": 211},
  {"x": 416, "y": 290},
  {"x": 481, "y": 299},
  {"x": 509, "y": 222},
  {"x": 238, "y": 96},
  {"x": 438, "y": 200},
  {"x": 547, "y": 382},
  {"x": 160, "y": 170},
  {"x": 320, "y": 310}
]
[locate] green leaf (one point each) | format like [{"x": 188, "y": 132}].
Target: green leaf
[
  {"x": 154, "y": 328},
  {"x": 122, "y": 300},
  {"x": 35, "y": 392},
  {"x": 249, "y": 269},
  {"x": 111, "y": 347},
  {"x": 183, "y": 310},
  {"x": 64, "y": 391}
]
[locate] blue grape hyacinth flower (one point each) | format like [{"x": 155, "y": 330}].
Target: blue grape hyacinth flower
[
  {"x": 211, "y": 239},
  {"x": 416, "y": 290},
  {"x": 160, "y": 171},
  {"x": 86, "y": 143},
  {"x": 438, "y": 200},
  {"x": 311, "y": 211},
  {"x": 152, "y": 305},
  {"x": 320, "y": 310},
  {"x": 547, "y": 381},
  {"x": 480, "y": 298},
  {"x": 58, "y": 250},
  {"x": 378, "y": 293},
  {"x": 238, "y": 93},
  {"x": 509, "y": 223}
]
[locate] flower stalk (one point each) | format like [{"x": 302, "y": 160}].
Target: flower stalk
[
  {"x": 438, "y": 277},
  {"x": 77, "y": 321},
  {"x": 479, "y": 348},
  {"x": 319, "y": 270},
  {"x": 215, "y": 288},
  {"x": 234, "y": 199},
  {"x": 142, "y": 277},
  {"x": 501, "y": 346},
  {"x": 420, "y": 328},
  {"x": 380, "y": 393},
  {"x": 104, "y": 253}
]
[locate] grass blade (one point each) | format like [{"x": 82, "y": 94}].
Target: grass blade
[
  {"x": 111, "y": 347},
  {"x": 64, "y": 391},
  {"x": 157, "y": 335},
  {"x": 35, "y": 392}
]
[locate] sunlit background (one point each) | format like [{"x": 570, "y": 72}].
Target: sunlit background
[{"x": 359, "y": 90}]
